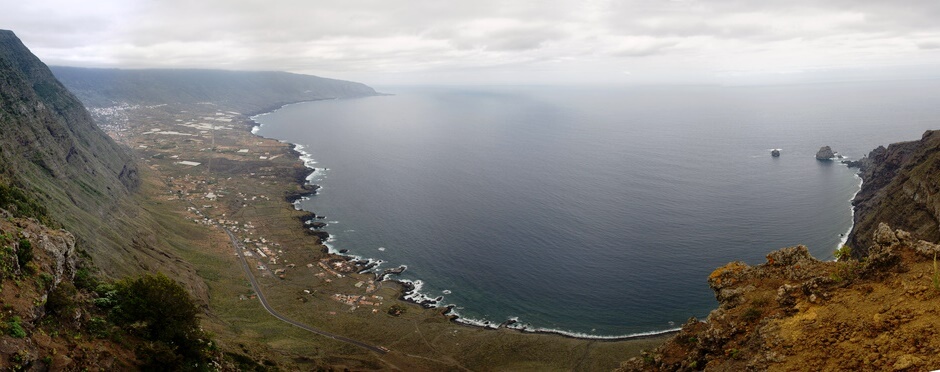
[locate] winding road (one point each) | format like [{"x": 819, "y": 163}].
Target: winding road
[{"x": 264, "y": 302}]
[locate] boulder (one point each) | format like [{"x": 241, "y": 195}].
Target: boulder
[{"x": 825, "y": 153}]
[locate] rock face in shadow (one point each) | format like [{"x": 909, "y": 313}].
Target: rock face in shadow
[{"x": 900, "y": 188}]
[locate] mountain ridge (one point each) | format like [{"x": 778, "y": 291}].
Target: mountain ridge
[{"x": 252, "y": 91}]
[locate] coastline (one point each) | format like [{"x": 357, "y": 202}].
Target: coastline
[
  {"x": 845, "y": 237},
  {"x": 409, "y": 290}
]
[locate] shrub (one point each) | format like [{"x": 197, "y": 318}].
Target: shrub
[
  {"x": 843, "y": 253},
  {"x": 61, "y": 301},
  {"x": 167, "y": 315},
  {"x": 751, "y": 314},
  {"x": 16, "y": 200},
  {"x": 157, "y": 301},
  {"x": 98, "y": 327},
  {"x": 85, "y": 280},
  {"x": 15, "y": 328}
]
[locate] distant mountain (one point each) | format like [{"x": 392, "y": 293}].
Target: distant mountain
[{"x": 237, "y": 90}]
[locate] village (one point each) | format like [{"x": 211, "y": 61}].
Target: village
[{"x": 199, "y": 156}]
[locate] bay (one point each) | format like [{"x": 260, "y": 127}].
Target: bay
[{"x": 591, "y": 210}]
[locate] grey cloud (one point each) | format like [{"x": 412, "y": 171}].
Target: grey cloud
[
  {"x": 644, "y": 49},
  {"x": 930, "y": 45},
  {"x": 378, "y": 36}
]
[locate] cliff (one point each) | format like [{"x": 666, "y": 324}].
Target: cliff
[
  {"x": 247, "y": 91},
  {"x": 58, "y": 166},
  {"x": 900, "y": 187},
  {"x": 51, "y": 148}
]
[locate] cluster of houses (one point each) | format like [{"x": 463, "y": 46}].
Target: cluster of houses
[{"x": 355, "y": 301}]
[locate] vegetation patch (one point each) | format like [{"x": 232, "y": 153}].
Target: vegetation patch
[{"x": 19, "y": 203}]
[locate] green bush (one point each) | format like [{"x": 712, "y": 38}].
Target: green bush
[
  {"x": 85, "y": 280},
  {"x": 15, "y": 328},
  {"x": 18, "y": 202},
  {"x": 161, "y": 310},
  {"x": 98, "y": 327},
  {"x": 843, "y": 253},
  {"x": 61, "y": 302}
]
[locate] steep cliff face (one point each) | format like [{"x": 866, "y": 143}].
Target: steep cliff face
[
  {"x": 248, "y": 91},
  {"x": 900, "y": 188},
  {"x": 50, "y": 147},
  {"x": 54, "y": 159}
]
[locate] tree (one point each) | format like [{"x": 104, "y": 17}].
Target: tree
[{"x": 162, "y": 311}]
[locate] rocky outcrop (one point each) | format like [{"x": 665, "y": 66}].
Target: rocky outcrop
[
  {"x": 900, "y": 188},
  {"x": 825, "y": 153},
  {"x": 794, "y": 312}
]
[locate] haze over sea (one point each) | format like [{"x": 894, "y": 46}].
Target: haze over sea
[{"x": 598, "y": 211}]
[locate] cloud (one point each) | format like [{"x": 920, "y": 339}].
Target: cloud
[
  {"x": 929, "y": 45},
  {"x": 375, "y": 40},
  {"x": 642, "y": 46}
]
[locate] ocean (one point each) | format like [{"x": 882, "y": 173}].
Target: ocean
[{"x": 590, "y": 211}]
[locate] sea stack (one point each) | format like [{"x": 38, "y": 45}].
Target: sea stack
[
  {"x": 825, "y": 153},
  {"x": 775, "y": 153}
]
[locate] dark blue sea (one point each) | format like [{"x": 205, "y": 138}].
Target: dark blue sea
[{"x": 592, "y": 211}]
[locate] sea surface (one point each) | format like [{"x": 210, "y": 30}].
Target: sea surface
[{"x": 591, "y": 211}]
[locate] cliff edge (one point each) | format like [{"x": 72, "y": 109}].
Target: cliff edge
[{"x": 796, "y": 313}]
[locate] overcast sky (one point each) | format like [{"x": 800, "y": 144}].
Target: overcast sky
[{"x": 496, "y": 42}]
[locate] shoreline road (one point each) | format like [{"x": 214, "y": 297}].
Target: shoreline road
[{"x": 264, "y": 302}]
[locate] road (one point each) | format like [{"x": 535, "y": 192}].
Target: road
[{"x": 264, "y": 303}]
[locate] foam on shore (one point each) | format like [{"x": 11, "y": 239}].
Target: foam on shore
[
  {"x": 845, "y": 237},
  {"x": 515, "y": 324}
]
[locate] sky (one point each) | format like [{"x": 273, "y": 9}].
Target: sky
[{"x": 440, "y": 42}]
